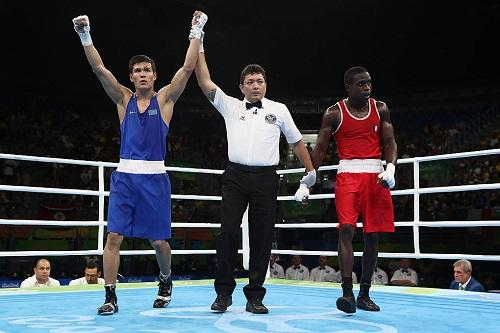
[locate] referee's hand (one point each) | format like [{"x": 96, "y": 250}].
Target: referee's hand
[{"x": 302, "y": 194}]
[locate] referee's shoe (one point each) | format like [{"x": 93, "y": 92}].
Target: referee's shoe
[
  {"x": 256, "y": 306},
  {"x": 221, "y": 303}
]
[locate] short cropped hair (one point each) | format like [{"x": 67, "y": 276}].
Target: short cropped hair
[
  {"x": 93, "y": 263},
  {"x": 467, "y": 266},
  {"x": 138, "y": 59},
  {"x": 252, "y": 69},
  {"x": 349, "y": 74},
  {"x": 37, "y": 261}
]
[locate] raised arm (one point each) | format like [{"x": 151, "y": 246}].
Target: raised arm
[
  {"x": 329, "y": 122},
  {"x": 170, "y": 93},
  {"x": 203, "y": 77},
  {"x": 115, "y": 91}
]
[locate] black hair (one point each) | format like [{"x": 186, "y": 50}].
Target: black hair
[
  {"x": 349, "y": 74},
  {"x": 93, "y": 263},
  {"x": 140, "y": 58},
  {"x": 252, "y": 69}
]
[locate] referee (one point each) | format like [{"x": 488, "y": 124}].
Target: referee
[{"x": 253, "y": 127}]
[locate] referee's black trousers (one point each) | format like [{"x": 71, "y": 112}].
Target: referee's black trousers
[{"x": 257, "y": 187}]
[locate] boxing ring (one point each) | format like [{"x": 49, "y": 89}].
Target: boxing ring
[{"x": 294, "y": 306}]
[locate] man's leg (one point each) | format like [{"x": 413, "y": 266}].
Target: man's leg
[
  {"x": 111, "y": 263},
  {"x": 164, "y": 259},
  {"x": 233, "y": 206},
  {"x": 369, "y": 262},
  {"x": 261, "y": 220},
  {"x": 346, "y": 303}
]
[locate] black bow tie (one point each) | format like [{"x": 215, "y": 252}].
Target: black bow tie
[
  {"x": 404, "y": 270},
  {"x": 257, "y": 104},
  {"x": 296, "y": 267},
  {"x": 322, "y": 268}
]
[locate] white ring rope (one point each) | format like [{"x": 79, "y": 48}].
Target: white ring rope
[{"x": 101, "y": 193}]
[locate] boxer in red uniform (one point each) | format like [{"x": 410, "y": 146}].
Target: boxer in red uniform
[{"x": 363, "y": 133}]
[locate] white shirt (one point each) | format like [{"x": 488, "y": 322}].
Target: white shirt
[
  {"x": 410, "y": 275},
  {"x": 32, "y": 282},
  {"x": 327, "y": 274},
  {"x": 297, "y": 273},
  {"x": 338, "y": 277},
  {"x": 276, "y": 271},
  {"x": 253, "y": 135},
  {"x": 83, "y": 280},
  {"x": 379, "y": 276}
]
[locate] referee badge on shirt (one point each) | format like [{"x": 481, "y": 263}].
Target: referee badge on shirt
[
  {"x": 270, "y": 118},
  {"x": 152, "y": 112}
]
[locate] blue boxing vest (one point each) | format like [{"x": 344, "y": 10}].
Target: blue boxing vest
[
  {"x": 139, "y": 203},
  {"x": 143, "y": 135}
]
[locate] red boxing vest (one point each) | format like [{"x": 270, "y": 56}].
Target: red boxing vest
[{"x": 358, "y": 138}]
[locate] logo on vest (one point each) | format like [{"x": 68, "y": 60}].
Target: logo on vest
[
  {"x": 152, "y": 112},
  {"x": 270, "y": 118}
]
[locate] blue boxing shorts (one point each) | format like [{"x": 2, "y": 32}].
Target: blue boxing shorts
[{"x": 139, "y": 205}]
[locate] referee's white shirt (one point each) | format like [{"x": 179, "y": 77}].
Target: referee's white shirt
[
  {"x": 253, "y": 135},
  {"x": 297, "y": 273},
  {"x": 405, "y": 274},
  {"x": 338, "y": 277},
  {"x": 379, "y": 276},
  {"x": 327, "y": 274},
  {"x": 83, "y": 280},
  {"x": 33, "y": 282},
  {"x": 276, "y": 271}
]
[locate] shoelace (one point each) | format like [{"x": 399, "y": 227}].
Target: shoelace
[{"x": 165, "y": 289}]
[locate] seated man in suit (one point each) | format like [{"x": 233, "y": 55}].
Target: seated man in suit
[{"x": 462, "y": 271}]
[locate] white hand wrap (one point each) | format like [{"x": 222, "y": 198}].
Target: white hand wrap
[
  {"x": 201, "y": 42},
  {"x": 302, "y": 193},
  {"x": 82, "y": 27},
  {"x": 388, "y": 175},
  {"x": 309, "y": 179},
  {"x": 197, "y": 29}
]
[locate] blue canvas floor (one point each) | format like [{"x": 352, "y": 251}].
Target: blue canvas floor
[{"x": 294, "y": 307}]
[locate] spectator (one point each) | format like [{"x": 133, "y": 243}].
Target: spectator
[
  {"x": 41, "y": 278},
  {"x": 92, "y": 274},
  {"x": 297, "y": 271},
  {"x": 338, "y": 277},
  {"x": 379, "y": 276},
  {"x": 462, "y": 271},
  {"x": 404, "y": 276},
  {"x": 275, "y": 269},
  {"x": 323, "y": 272}
]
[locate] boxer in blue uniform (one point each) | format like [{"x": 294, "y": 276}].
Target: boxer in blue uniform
[{"x": 139, "y": 200}]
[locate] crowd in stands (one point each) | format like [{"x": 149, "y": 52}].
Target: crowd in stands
[{"x": 45, "y": 127}]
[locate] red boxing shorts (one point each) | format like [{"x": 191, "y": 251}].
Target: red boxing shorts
[{"x": 360, "y": 195}]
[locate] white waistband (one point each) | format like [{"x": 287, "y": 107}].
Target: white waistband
[
  {"x": 140, "y": 166},
  {"x": 360, "y": 166}
]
